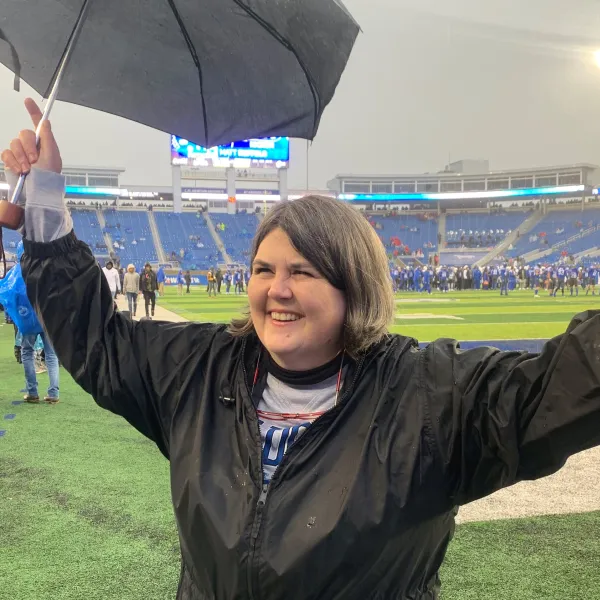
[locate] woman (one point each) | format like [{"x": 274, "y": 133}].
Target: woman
[
  {"x": 131, "y": 286},
  {"x": 312, "y": 454}
]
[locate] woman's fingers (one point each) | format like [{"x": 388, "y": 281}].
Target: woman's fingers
[
  {"x": 10, "y": 162},
  {"x": 34, "y": 111},
  {"x": 18, "y": 151},
  {"x": 27, "y": 138}
]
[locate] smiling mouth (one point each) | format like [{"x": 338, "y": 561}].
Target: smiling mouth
[{"x": 283, "y": 317}]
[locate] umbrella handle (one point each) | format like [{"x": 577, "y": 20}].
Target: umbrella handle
[{"x": 60, "y": 71}]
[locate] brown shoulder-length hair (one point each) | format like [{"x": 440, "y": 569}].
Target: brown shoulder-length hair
[{"x": 344, "y": 248}]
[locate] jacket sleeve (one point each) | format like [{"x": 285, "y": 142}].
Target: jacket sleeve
[
  {"x": 134, "y": 369},
  {"x": 501, "y": 417}
]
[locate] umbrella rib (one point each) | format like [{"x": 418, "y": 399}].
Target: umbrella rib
[
  {"x": 194, "y": 55},
  {"x": 16, "y": 65},
  {"x": 286, "y": 43}
]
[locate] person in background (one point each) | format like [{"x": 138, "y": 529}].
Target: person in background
[
  {"x": 131, "y": 286},
  {"x": 121, "y": 277},
  {"x": 219, "y": 279},
  {"x": 160, "y": 280},
  {"x": 211, "y": 283},
  {"x": 236, "y": 281},
  {"x": 28, "y": 358},
  {"x": 148, "y": 287},
  {"x": 180, "y": 282},
  {"x": 112, "y": 276},
  {"x": 188, "y": 281},
  {"x": 227, "y": 278}
]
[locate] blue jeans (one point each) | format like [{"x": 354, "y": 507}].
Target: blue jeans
[
  {"x": 132, "y": 299},
  {"x": 28, "y": 358}
]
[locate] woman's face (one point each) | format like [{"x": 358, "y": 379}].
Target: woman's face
[{"x": 298, "y": 315}]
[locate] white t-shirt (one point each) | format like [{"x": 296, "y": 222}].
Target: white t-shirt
[{"x": 285, "y": 412}]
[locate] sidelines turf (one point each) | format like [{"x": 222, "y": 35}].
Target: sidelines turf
[
  {"x": 460, "y": 315},
  {"x": 85, "y": 508}
]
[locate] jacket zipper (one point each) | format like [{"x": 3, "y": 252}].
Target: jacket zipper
[{"x": 262, "y": 500}]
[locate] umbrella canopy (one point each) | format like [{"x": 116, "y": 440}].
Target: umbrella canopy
[{"x": 211, "y": 71}]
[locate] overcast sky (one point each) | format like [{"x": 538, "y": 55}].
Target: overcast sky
[{"x": 512, "y": 81}]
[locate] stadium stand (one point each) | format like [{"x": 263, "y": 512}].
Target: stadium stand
[
  {"x": 559, "y": 227},
  {"x": 185, "y": 237},
  {"x": 481, "y": 230},
  {"x": 236, "y": 232},
  {"x": 11, "y": 240},
  {"x": 87, "y": 229},
  {"x": 405, "y": 234},
  {"x": 130, "y": 233}
]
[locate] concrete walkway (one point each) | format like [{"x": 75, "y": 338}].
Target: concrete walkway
[{"x": 160, "y": 313}]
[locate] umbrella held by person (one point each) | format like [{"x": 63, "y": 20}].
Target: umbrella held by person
[{"x": 312, "y": 454}]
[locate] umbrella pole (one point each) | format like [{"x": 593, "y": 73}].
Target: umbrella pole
[{"x": 53, "y": 93}]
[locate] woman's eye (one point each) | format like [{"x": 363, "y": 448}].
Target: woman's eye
[
  {"x": 302, "y": 273},
  {"x": 259, "y": 270}
]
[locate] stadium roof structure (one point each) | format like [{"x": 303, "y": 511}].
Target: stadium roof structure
[{"x": 454, "y": 174}]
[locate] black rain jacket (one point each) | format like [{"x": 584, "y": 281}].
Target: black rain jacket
[{"x": 363, "y": 504}]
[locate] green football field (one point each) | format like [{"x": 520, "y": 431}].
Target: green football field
[
  {"x": 461, "y": 315},
  {"x": 85, "y": 509}
]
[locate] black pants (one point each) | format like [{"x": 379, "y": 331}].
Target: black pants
[
  {"x": 149, "y": 298},
  {"x": 188, "y": 288}
]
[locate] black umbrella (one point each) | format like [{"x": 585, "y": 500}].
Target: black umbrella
[{"x": 211, "y": 71}]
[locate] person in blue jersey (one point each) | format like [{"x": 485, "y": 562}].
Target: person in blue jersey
[
  {"x": 536, "y": 280},
  {"x": 427, "y": 275},
  {"x": 312, "y": 454},
  {"x": 503, "y": 280},
  {"x": 574, "y": 280},
  {"x": 417, "y": 279},
  {"x": 512, "y": 279},
  {"x": 237, "y": 278},
  {"x": 227, "y": 280},
  {"x": 561, "y": 276},
  {"x": 477, "y": 278},
  {"x": 592, "y": 278},
  {"x": 395, "y": 275}
]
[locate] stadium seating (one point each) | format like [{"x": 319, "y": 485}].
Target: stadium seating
[
  {"x": 413, "y": 231},
  {"x": 237, "y": 234},
  {"x": 10, "y": 239},
  {"x": 559, "y": 226},
  {"x": 131, "y": 235},
  {"x": 187, "y": 232},
  {"x": 479, "y": 230},
  {"x": 87, "y": 229}
]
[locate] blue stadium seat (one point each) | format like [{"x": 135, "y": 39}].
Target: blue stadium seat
[
  {"x": 237, "y": 234},
  {"x": 130, "y": 231},
  {"x": 558, "y": 226},
  {"x": 188, "y": 232},
  {"x": 413, "y": 231}
]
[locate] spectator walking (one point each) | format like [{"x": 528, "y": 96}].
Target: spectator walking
[
  {"x": 112, "y": 276},
  {"x": 131, "y": 286},
  {"x": 148, "y": 286}
]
